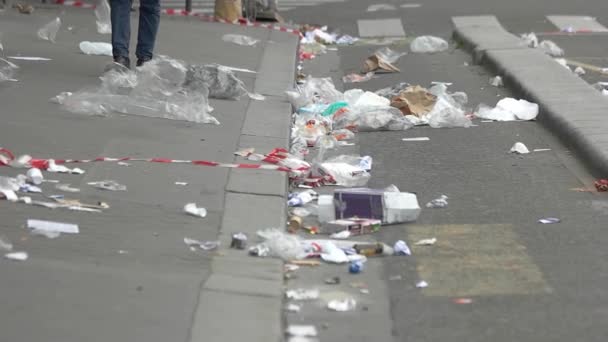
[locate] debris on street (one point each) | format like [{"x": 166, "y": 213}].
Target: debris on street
[
  {"x": 382, "y": 60},
  {"x": 519, "y": 148},
  {"x": 110, "y": 185},
  {"x": 426, "y": 242},
  {"x": 347, "y": 304},
  {"x": 96, "y": 48},
  {"x": 240, "y": 39},
  {"x": 17, "y": 256},
  {"x": 194, "y": 210},
  {"x": 549, "y": 220},
  {"x": 49, "y": 31},
  {"x": 601, "y": 185},
  {"x": 508, "y": 109},
  {"x": 496, "y": 81},
  {"x": 550, "y": 48},
  {"x": 102, "y": 15},
  {"x": 302, "y": 330},
  {"x": 422, "y": 284},
  {"x": 39, "y": 226},
  {"x": 401, "y": 248},
  {"x": 202, "y": 245},
  {"x": 440, "y": 202},
  {"x": 8, "y": 70},
  {"x": 302, "y": 294},
  {"x": 428, "y": 44}
]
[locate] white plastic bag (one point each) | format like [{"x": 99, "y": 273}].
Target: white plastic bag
[
  {"x": 49, "y": 31},
  {"x": 102, "y": 14},
  {"x": 551, "y": 48},
  {"x": 530, "y": 39},
  {"x": 240, "y": 39},
  {"x": 96, "y": 48},
  {"x": 509, "y": 109},
  {"x": 428, "y": 44}
]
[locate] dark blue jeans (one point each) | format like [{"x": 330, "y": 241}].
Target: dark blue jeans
[{"x": 149, "y": 18}]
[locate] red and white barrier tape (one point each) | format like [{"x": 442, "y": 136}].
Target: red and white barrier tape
[
  {"x": 194, "y": 13},
  {"x": 274, "y": 158}
]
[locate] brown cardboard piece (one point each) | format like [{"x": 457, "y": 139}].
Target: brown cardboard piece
[
  {"x": 229, "y": 10},
  {"x": 373, "y": 63},
  {"x": 414, "y": 100}
]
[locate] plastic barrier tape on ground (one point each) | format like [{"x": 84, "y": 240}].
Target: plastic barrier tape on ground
[
  {"x": 194, "y": 13},
  {"x": 7, "y": 157}
]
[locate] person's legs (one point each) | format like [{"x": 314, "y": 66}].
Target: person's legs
[
  {"x": 149, "y": 18},
  {"x": 120, "y": 14}
]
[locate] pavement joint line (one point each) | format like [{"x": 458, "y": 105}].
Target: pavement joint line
[{"x": 536, "y": 76}]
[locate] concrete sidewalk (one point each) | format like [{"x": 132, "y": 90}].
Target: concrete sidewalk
[{"x": 128, "y": 276}]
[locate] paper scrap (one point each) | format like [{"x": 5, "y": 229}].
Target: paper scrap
[
  {"x": 519, "y": 148},
  {"x": 17, "y": 256},
  {"x": 422, "y": 284},
  {"x": 193, "y": 210},
  {"x": 23, "y": 58},
  {"x": 426, "y": 242},
  {"x": 549, "y": 220},
  {"x": 416, "y": 139},
  {"x": 53, "y": 226}
]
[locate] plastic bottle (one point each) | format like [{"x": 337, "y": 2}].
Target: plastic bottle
[{"x": 34, "y": 176}]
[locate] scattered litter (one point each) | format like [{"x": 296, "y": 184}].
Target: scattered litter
[
  {"x": 530, "y": 39},
  {"x": 193, "y": 210},
  {"x": 519, "y": 148},
  {"x": 240, "y": 39},
  {"x": 383, "y": 59},
  {"x": 302, "y": 330},
  {"x": 332, "y": 281},
  {"x": 291, "y": 307},
  {"x": 26, "y": 58},
  {"x": 541, "y": 150},
  {"x": 108, "y": 185},
  {"x": 348, "y": 304},
  {"x": 53, "y": 167},
  {"x": 416, "y": 139},
  {"x": 563, "y": 62},
  {"x": 231, "y": 68},
  {"x": 355, "y": 267},
  {"x": 345, "y": 234},
  {"x": 428, "y": 44},
  {"x": 49, "y": 31},
  {"x": 381, "y": 7},
  {"x": 426, "y": 242},
  {"x": 302, "y": 294},
  {"x": 17, "y": 256},
  {"x": 34, "y": 176},
  {"x": 462, "y": 301},
  {"x": 306, "y": 262},
  {"x": 357, "y": 78},
  {"x": 301, "y": 212},
  {"x": 60, "y": 99},
  {"x": 401, "y": 248},
  {"x": 203, "y": 245},
  {"x": 579, "y": 71},
  {"x": 96, "y": 48},
  {"x": 422, "y": 284},
  {"x": 5, "y": 245},
  {"x": 102, "y": 15},
  {"x": 66, "y": 188},
  {"x": 379, "y": 204},
  {"x": 24, "y": 8},
  {"x": 239, "y": 241},
  {"x": 411, "y": 5},
  {"x": 551, "y": 48},
  {"x": 441, "y": 202},
  {"x": 601, "y": 185},
  {"x": 496, "y": 81},
  {"x": 50, "y": 226},
  {"x": 414, "y": 100},
  {"x": 181, "y": 183},
  {"x": 549, "y": 220},
  {"x": 302, "y": 198},
  {"x": 7, "y": 70},
  {"x": 508, "y": 109}
]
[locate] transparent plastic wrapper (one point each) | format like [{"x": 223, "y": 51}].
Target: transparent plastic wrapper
[
  {"x": 579, "y": 71},
  {"x": 551, "y": 48},
  {"x": 346, "y": 40},
  {"x": 161, "y": 77},
  {"x": 86, "y": 102},
  {"x": 530, "y": 39},
  {"x": 315, "y": 90},
  {"x": 49, "y": 31},
  {"x": 357, "y": 78},
  {"x": 347, "y": 171},
  {"x": 389, "y": 55},
  {"x": 314, "y": 48},
  {"x": 519, "y": 148},
  {"x": 7, "y": 70},
  {"x": 96, "y": 48},
  {"x": 448, "y": 111},
  {"x": 60, "y": 99},
  {"x": 369, "y": 99},
  {"x": 221, "y": 81},
  {"x": 352, "y": 95},
  {"x": 509, "y": 109},
  {"x": 428, "y": 44},
  {"x": 240, "y": 39},
  {"x": 311, "y": 128},
  {"x": 102, "y": 14},
  {"x": 283, "y": 245},
  {"x": 367, "y": 119},
  {"x": 440, "y": 202}
]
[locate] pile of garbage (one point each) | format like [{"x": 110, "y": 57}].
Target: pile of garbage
[{"x": 162, "y": 88}]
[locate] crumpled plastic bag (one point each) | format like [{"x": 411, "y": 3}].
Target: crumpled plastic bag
[
  {"x": 550, "y": 48},
  {"x": 7, "y": 70},
  {"x": 346, "y": 170},
  {"x": 240, "y": 39},
  {"x": 509, "y": 109},
  {"x": 315, "y": 90},
  {"x": 392, "y": 91},
  {"x": 221, "y": 81},
  {"x": 102, "y": 14},
  {"x": 383, "y": 60},
  {"x": 428, "y": 44},
  {"x": 414, "y": 100},
  {"x": 282, "y": 245},
  {"x": 530, "y": 39},
  {"x": 373, "y": 118},
  {"x": 448, "y": 111},
  {"x": 49, "y": 31},
  {"x": 311, "y": 128}
]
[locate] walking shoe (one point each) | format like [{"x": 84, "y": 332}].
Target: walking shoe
[
  {"x": 124, "y": 61},
  {"x": 141, "y": 61}
]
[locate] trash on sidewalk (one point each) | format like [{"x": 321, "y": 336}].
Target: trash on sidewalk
[
  {"x": 42, "y": 227},
  {"x": 401, "y": 248},
  {"x": 354, "y": 226},
  {"x": 448, "y": 111},
  {"x": 381, "y": 7},
  {"x": 414, "y": 100},
  {"x": 579, "y": 71},
  {"x": 96, "y": 48},
  {"x": 16, "y": 256},
  {"x": 347, "y": 304},
  {"x": 240, "y": 39},
  {"x": 345, "y": 170},
  {"x": 291, "y": 307},
  {"x": 530, "y": 39},
  {"x": 49, "y": 31},
  {"x": 440, "y": 202},
  {"x": 34, "y": 176},
  {"x": 508, "y": 109},
  {"x": 110, "y": 185},
  {"x": 302, "y": 330},
  {"x": 357, "y": 78},
  {"x": 601, "y": 185},
  {"x": 239, "y": 241},
  {"x": 426, "y": 242},
  {"x": 5, "y": 244},
  {"x": 302, "y": 294},
  {"x": 416, "y": 139},
  {"x": 7, "y": 70},
  {"x": 221, "y": 81},
  {"x": 24, "y": 8},
  {"x": 202, "y": 245},
  {"x": 392, "y": 91},
  {"x": 519, "y": 148},
  {"x": 388, "y": 206},
  {"x": 496, "y": 81},
  {"x": 102, "y": 15},
  {"x": 355, "y": 267},
  {"x": 549, "y": 220},
  {"x": 462, "y": 301},
  {"x": 346, "y": 40},
  {"x": 563, "y": 62},
  {"x": 30, "y": 58},
  {"x": 345, "y": 234},
  {"x": 422, "y": 284},
  {"x": 193, "y": 210},
  {"x": 306, "y": 262},
  {"x": 428, "y": 44},
  {"x": 550, "y": 48},
  {"x": 279, "y": 244},
  {"x": 53, "y": 167},
  {"x": 228, "y": 10},
  {"x": 301, "y": 198},
  {"x": 66, "y": 188},
  {"x": 383, "y": 60}
]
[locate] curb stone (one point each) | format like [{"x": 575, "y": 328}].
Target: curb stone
[
  {"x": 569, "y": 106},
  {"x": 242, "y": 298}
]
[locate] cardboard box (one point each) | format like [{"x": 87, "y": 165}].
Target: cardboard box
[{"x": 388, "y": 207}]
